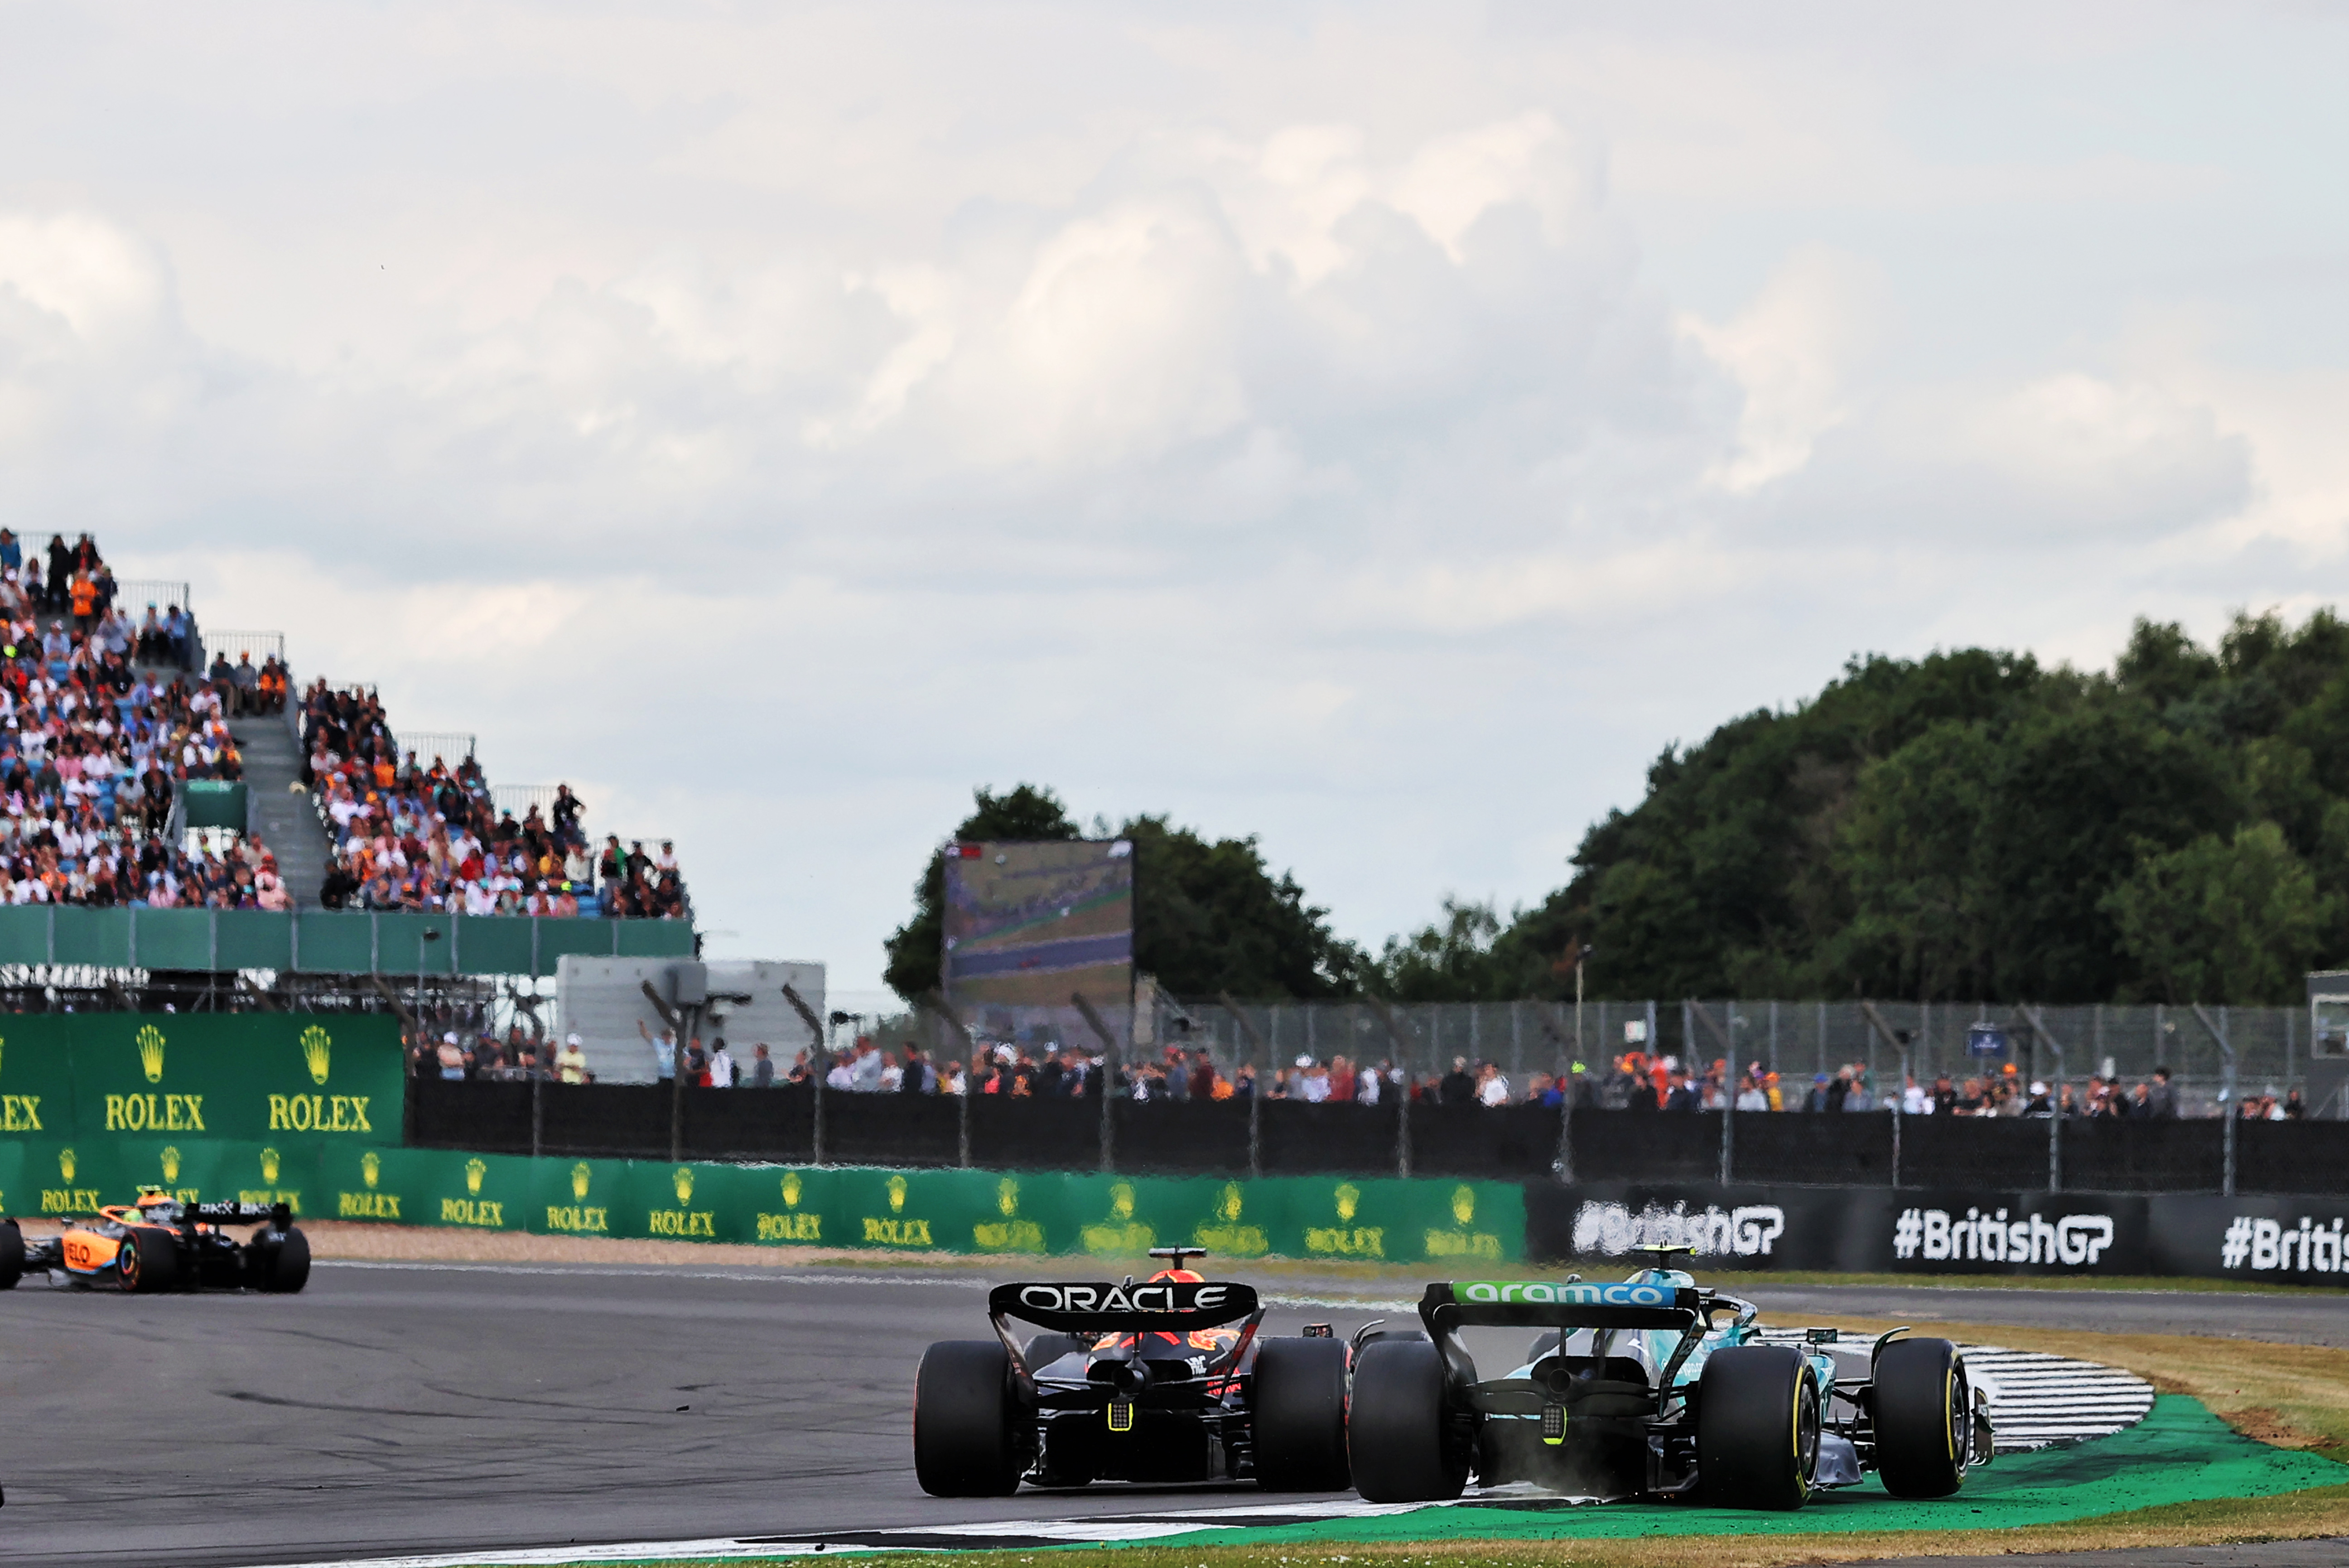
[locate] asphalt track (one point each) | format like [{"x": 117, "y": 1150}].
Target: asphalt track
[{"x": 412, "y": 1408}]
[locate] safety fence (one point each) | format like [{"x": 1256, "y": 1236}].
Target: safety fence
[
  {"x": 1276, "y": 1137},
  {"x": 1799, "y": 1040},
  {"x": 322, "y": 940}
]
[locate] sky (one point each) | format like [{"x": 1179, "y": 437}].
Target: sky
[{"x": 1379, "y": 429}]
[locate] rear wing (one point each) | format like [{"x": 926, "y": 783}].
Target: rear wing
[
  {"x": 1161, "y": 1305},
  {"x": 1544, "y": 1303},
  {"x": 279, "y": 1216}
]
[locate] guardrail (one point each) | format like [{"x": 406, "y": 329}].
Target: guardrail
[
  {"x": 135, "y": 594},
  {"x": 263, "y": 645},
  {"x": 321, "y": 941}
]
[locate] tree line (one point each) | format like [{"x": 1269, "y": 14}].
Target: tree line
[{"x": 1972, "y": 826}]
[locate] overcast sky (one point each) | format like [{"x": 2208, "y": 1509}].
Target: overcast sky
[{"x": 1378, "y": 429}]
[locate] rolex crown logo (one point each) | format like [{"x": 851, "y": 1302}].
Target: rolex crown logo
[
  {"x": 1121, "y": 1200},
  {"x": 317, "y": 1045},
  {"x": 150, "y": 1053},
  {"x": 269, "y": 1160},
  {"x": 170, "y": 1163},
  {"x": 65, "y": 1164},
  {"x": 790, "y": 1189},
  {"x": 1464, "y": 1204},
  {"x": 897, "y": 1194},
  {"x": 580, "y": 1176},
  {"x": 684, "y": 1184},
  {"x": 1007, "y": 1197},
  {"x": 1350, "y": 1199},
  {"x": 370, "y": 1167},
  {"x": 475, "y": 1169},
  {"x": 1229, "y": 1203}
]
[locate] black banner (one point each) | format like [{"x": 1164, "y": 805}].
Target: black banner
[{"x": 1942, "y": 1230}]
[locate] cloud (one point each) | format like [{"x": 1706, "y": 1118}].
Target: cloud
[{"x": 1378, "y": 428}]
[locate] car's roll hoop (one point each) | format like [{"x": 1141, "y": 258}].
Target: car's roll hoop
[{"x": 1544, "y": 1303}]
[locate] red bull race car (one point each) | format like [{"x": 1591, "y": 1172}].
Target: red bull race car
[
  {"x": 161, "y": 1244},
  {"x": 1167, "y": 1380},
  {"x": 1652, "y": 1387}
]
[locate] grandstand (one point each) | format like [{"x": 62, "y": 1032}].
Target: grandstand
[{"x": 170, "y": 808}]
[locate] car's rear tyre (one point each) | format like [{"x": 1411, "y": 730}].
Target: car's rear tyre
[
  {"x": 1397, "y": 1442},
  {"x": 1921, "y": 1417},
  {"x": 12, "y": 1254},
  {"x": 965, "y": 1440},
  {"x": 1299, "y": 1409},
  {"x": 1757, "y": 1428},
  {"x": 285, "y": 1267},
  {"x": 146, "y": 1262}
]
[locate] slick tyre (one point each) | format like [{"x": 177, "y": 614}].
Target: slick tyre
[
  {"x": 146, "y": 1261},
  {"x": 1300, "y": 1414},
  {"x": 285, "y": 1268},
  {"x": 1921, "y": 1413},
  {"x": 1398, "y": 1438},
  {"x": 966, "y": 1434},
  {"x": 1757, "y": 1428},
  {"x": 12, "y": 1254}
]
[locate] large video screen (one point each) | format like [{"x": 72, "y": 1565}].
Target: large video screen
[{"x": 1030, "y": 926}]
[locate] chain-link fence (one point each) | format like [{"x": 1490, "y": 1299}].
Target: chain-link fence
[{"x": 1799, "y": 1040}]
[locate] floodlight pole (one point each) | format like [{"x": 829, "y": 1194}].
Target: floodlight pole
[
  {"x": 1108, "y": 1077},
  {"x": 1256, "y": 1092},
  {"x": 2054, "y": 1099},
  {"x": 1728, "y": 1082},
  {"x": 822, "y": 1051},
  {"x": 1891, "y": 1038},
  {"x": 2227, "y": 1095}
]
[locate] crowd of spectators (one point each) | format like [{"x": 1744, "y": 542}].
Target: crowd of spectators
[
  {"x": 409, "y": 835},
  {"x": 99, "y": 722},
  {"x": 1636, "y": 1081}
]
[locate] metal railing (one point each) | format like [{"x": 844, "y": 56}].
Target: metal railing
[
  {"x": 519, "y": 798},
  {"x": 137, "y": 592},
  {"x": 451, "y": 746},
  {"x": 263, "y": 645}
]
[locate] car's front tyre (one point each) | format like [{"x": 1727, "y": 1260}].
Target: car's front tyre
[
  {"x": 966, "y": 1438},
  {"x": 1300, "y": 1415},
  {"x": 1397, "y": 1441},
  {"x": 12, "y": 1254},
  {"x": 1757, "y": 1428},
  {"x": 1921, "y": 1417}
]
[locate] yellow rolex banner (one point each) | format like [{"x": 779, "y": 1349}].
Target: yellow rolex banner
[{"x": 286, "y": 1079}]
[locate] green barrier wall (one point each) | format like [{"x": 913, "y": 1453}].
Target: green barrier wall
[
  {"x": 92, "y": 1080},
  {"x": 904, "y": 1211}
]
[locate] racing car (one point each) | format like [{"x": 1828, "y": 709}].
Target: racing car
[
  {"x": 1167, "y": 1380},
  {"x": 161, "y": 1244},
  {"x": 1653, "y": 1388}
]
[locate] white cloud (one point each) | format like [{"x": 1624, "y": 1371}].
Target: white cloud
[{"x": 1369, "y": 427}]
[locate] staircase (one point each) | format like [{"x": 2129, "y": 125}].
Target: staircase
[{"x": 284, "y": 817}]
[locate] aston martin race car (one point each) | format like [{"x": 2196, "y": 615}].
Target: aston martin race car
[
  {"x": 1167, "y": 1380},
  {"x": 160, "y": 1244},
  {"x": 1653, "y": 1387}
]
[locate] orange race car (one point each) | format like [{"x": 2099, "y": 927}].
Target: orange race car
[{"x": 161, "y": 1244}]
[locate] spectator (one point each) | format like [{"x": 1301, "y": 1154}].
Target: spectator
[
  {"x": 452, "y": 1057},
  {"x": 571, "y": 1062},
  {"x": 2161, "y": 1097},
  {"x": 721, "y": 1066},
  {"x": 913, "y": 1076},
  {"x": 1457, "y": 1087},
  {"x": 664, "y": 1051},
  {"x": 762, "y": 1068},
  {"x": 1492, "y": 1088}
]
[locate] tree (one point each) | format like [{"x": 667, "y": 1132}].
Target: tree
[{"x": 2234, "y": 919}]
